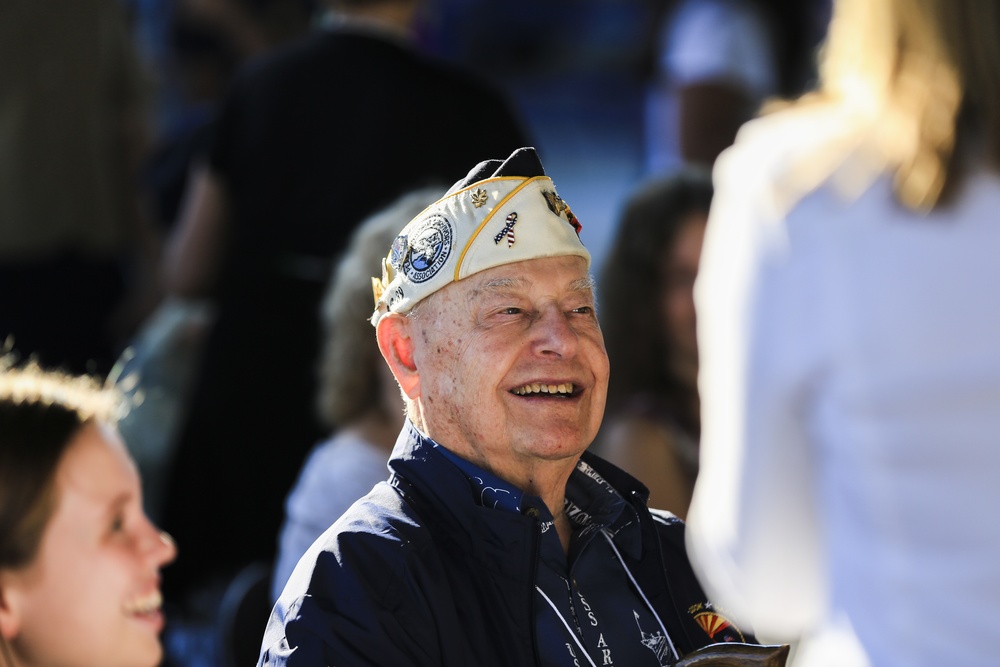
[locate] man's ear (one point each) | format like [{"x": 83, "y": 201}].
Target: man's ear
[{"x": 395, "y": 341}]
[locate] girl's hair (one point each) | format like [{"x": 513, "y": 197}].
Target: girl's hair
[
  {"x": 630, "y": 284},
  {"x": 930, "y": 71},
  {"x": 40, "y": 413}
]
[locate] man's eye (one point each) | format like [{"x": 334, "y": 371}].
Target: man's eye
[
  {"x": 512, "y": 310},
  {"x": 584, "y": 310},
  {"x": 118, "y": 524}
]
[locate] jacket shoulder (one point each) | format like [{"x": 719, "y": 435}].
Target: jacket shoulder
[{"x": 363, "y": 594}]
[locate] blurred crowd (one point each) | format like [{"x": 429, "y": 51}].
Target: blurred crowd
[
  {"x": 182, "y": 176},
  {"x": 194, "y": 194}
]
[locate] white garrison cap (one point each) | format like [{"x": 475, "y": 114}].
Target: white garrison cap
[{"x": 502, "y": 212}]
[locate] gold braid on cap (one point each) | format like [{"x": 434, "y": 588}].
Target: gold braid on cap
[
  {"x": 379, "y": 285},
  {"x": 378, "y": 289}
]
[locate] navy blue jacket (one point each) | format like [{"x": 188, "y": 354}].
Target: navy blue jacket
[{"x": 416, "y": 573}]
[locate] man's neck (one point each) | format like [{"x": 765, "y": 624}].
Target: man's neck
[
  {"x": 547, "y": 480},
  {"x": 564, "y": 529},
  {"x": 543, "y": 478}
]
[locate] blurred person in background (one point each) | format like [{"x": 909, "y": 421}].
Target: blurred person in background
[
  {"x": 310, "y": 140},
  {"x": 848, "y": 319},
  {"x": 715, "y": 63},
  {"x": 358, "y": 397},
  {"x": 78, "y": 256},
  {"x": 652, "y": 422},
  {"x": 79, "y": 560},
  {"x": 209, "y": 40}
]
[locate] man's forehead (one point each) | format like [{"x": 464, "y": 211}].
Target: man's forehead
[
  {"x": 500, "y": 285},
  {"x": 525, "y": 275}
]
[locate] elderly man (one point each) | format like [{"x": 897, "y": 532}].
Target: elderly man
[{"x": 496, "y": 540}]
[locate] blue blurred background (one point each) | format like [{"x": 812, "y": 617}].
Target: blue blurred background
[{"x": 575, "y": 69}]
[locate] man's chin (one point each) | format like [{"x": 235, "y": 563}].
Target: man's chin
[{"x": 551, "y": 446}]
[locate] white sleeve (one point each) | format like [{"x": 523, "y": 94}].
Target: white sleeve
[{"x": 753, "y": 533}]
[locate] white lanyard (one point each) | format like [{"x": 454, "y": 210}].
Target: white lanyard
[
  {"x": 635, "y": 584},
  {"x": 568, "y": 629}
]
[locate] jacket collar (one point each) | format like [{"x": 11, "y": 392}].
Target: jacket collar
[{"x": 462, "y": 492}]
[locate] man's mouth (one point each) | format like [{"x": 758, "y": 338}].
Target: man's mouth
[{"x": 565, "y": 389}]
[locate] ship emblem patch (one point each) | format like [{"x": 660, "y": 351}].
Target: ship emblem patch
[{"x": 429, "y": 248}]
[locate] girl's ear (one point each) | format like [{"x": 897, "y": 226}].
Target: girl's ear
[
  {"x": 10, "y": 618},
  {"x": 395, "y": 341}
]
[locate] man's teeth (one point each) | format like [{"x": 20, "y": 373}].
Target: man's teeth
[
  {"x": 536, "y": 388},
  {"x": 145, "y": 604}
]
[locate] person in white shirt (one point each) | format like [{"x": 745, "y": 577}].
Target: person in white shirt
[{"x": 849, "y": 318}]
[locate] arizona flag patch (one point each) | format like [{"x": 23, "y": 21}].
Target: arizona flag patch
[
  {"x": 716, "y": 626},
  {"x": 712, "y": 623}
]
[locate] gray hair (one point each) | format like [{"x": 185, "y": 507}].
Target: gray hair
[{"x": 349, "y": 383}]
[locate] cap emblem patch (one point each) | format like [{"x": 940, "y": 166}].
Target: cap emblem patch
[
  {"x": 507, "y": 231},
  {"x": 398, "y": 251},
  {"x": 558, "y": 206},
  {"x": 479, "y": 197},
  {"x": 429, "y": 248}
]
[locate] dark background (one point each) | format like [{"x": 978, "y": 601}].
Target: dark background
[{"x": 575, "y": 69}]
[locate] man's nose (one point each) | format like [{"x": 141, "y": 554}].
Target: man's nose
[{"x": 554, "y": 334}]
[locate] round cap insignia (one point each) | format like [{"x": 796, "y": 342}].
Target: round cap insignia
[{"x": 429, "y": 248}]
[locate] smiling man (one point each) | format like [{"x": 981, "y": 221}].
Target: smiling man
[{"x": 497, "y": 539}]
